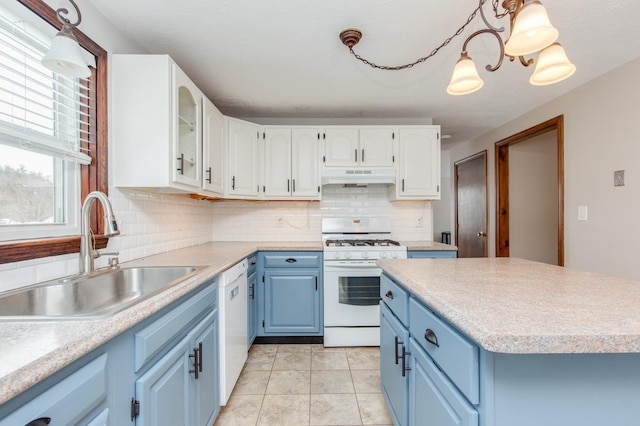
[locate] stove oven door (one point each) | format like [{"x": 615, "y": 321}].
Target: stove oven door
[{"x": 351, "y": 294}]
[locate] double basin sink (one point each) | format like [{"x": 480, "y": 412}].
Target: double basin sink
[{"x": 99, "y": 294}]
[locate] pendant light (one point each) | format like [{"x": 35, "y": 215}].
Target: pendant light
[
  {"x": 553, "y": 66},
  {"x": 65, "y": 56},
  {"x": 532, "y": 31},
  {"x": 465, "y": 78}
]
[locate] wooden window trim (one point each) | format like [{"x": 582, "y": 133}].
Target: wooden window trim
[{"x": 93, "y": 176}]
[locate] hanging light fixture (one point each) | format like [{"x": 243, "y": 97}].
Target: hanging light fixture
[
  {"x": 65, "y": 54},
  {"x": 531, "y": 32}
]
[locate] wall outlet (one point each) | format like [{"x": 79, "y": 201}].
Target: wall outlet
[
  {"x": 280, "y": 222},
  {"x": 618, "y": 178},
  {"x": 420, "y": 222},
  {"x": 582, "y": 213}
]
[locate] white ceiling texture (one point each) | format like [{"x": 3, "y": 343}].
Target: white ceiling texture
[{"x": 283, "y": 58}]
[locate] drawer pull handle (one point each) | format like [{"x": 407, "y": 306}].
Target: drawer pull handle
[
  {"x": 291, "y": 260},
  {"x": 42, "y": 421},
  {"x": 398, "y": 342},
  {"x": 389, "y": 294},
  {"x": 431, "y": 337}
]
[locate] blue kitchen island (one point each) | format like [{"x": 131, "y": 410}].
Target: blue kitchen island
[{"x": 502, "y": 342}]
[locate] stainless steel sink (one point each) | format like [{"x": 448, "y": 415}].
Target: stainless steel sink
[{"x": 97, "y": 295}]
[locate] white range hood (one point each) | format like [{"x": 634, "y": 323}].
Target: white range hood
[{"x": 358, "y": 176}]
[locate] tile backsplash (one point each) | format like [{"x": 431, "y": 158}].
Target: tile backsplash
[
  {"x": 152, "y": 223},
  {"x": 301, "y": 220}
]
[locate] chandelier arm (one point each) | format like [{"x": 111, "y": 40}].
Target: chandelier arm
[
  {"x": 500, "y": 45},
  {"x": 484, "y": 18},
  {"x": 525, "y": 62},
  {"x": 420, "y": 60},
  {"x": 64, "y": 11}
]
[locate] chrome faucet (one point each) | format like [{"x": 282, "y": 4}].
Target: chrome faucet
[{"x": 87, "y": 253}]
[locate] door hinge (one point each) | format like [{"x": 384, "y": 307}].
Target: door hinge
[
  {"x": 316, "y": 283},
  {"x": 263, "y": 136},
  {"x": 393, "y": 135},
  {"x": 438, "y": 188},
  {"x": 135, "y": 408},
  {"x": 393, "y": 158},
  {"x": 324, "y": 159},
  {"x": 263, "y": 278},
  {"x": 318, "y": 189},
  {"x": 438, "y": 135},
  {"x": 262, "y": 323}
]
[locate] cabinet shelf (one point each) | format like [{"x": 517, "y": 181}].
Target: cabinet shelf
[{"x": 186, "y": 124}]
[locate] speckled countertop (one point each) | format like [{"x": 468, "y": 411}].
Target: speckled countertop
[
  {"x": 428, "y": 246},
  {"x": 516, "y": 306},
  {"x": 32, "y": 351}
]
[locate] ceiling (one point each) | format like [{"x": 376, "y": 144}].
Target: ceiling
[{"x": 283, "y": 58}]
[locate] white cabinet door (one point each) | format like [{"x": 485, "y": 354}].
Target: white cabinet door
[
  {"x": 242, "y": 178},
  {"x": 341, "y": 147},
  {"x": 188, "y": 129},
  {"x": 277, "y": 162},
  {"x": 212, "y": 148},
  {"x": 419, "y": 168},
  {"x": 305, "y": 164},
  {"x": 376, "y": 147}
]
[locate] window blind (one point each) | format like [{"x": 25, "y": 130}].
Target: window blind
[{"x": 41, "y": 110}]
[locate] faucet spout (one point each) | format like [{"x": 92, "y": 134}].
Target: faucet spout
[{"x": 87, "y": 254}]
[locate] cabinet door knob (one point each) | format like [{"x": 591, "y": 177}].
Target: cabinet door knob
[
  {"x": 389, "y": 294},
  {"x": 404, "y": 361},
  {"x": 397, "y": 343},
  {"x": 431, "y": 337}
]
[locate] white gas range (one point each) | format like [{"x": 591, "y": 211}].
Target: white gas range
[{"x": 352, "y": 278}]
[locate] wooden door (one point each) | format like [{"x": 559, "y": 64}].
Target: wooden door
[{"x": 471, "y": 205}]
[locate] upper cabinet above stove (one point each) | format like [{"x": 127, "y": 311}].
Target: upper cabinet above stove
[{"x": 367, "y": 147}]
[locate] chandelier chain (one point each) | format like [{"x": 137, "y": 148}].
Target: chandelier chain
[{"x": 434, "y": 51}]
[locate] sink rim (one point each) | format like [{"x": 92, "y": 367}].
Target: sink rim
[{"x": 100, "y": 313}]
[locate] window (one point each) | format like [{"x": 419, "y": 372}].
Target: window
[{"x": 52, "y": 143}]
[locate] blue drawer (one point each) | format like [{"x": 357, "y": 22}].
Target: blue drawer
[
  {"x": 396, "y": 298},
  {"x": 456, "y": 356},
  {"x": 292, "y": 260}
]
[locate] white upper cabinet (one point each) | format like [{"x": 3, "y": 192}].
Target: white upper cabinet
[
  {"x": 212, "y": 148},
  {"x": 277, "y": 180},
  {"x": 242, "y": 146},
  {"x": 156, "y": 125},
  {"x": 341, "y": 147},
  {"x": 419, "y": 163},
  {"x": 359, "y": 147},
  {"x": 305, "y": 163},
  {"x": 291, "y": 163},
  {"x": 376, "y": 147}
]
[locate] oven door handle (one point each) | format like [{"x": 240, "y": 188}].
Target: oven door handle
[{"x": 352, "y": 265}]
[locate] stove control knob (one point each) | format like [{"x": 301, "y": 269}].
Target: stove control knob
[
  {"x": 336, "y": 255},
  {"x": 347, "y": 255},
  {"x": 394, "y": 255},
  {"x": 383, "y": 255},
  {"x": 365, "y": 254}
]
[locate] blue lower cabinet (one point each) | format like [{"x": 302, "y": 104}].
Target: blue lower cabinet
[
  {"x": 205, "y": 387},
  {"x": 289, "y": 294},
  {"x": 433, "y": 400},
  {"x": 394, "y": 342},
  {"x": 292, "y": 301},
  {"x": 163, "y": 392},
  {"x": 70, "y": 401}
]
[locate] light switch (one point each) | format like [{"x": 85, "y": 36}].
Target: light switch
[
  {"x": 618, "y": 178},
  {"x": 582, "y": 213}
]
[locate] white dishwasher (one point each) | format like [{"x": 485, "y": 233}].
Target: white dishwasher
[{"x": 232, "y": 306}]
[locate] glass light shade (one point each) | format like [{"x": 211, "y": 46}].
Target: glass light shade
[
  {"x": 553, "y": 66},
  {"x": 465, "y": 78},
  {"x": 65, "y": 57},
  {"x": 532, "y": 31}
]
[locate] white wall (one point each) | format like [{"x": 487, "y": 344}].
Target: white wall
[
  {"x": 443, "y": 217},
  {"x": 600, "y": 137},
  {"x": 533, "y": 199}
]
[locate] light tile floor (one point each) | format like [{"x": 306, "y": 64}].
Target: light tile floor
[{"x": 307, "y": 385}]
